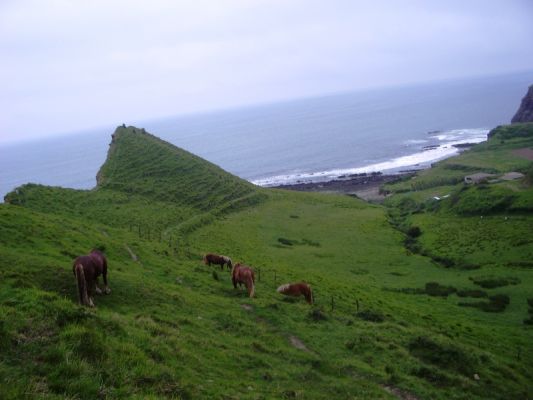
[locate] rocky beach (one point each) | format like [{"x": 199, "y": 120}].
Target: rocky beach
[{"x": 365, "y": 185}]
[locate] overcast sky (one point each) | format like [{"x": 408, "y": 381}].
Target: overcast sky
[{"x": 70, "y": 65}]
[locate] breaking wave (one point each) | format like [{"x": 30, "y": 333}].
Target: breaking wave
[{"x": 439, "y": 145}]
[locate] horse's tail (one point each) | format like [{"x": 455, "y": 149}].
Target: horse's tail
[
  {"x": 234, "y": 276},
  {"x": 251, "y": 285},
  {"x": 205, "y": 259},
  {"x": 81, "y": 284}
]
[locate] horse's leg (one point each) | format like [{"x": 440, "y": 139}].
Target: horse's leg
[
  {"x": 91, "y": 288},
  {"x": 81, "y": 284},
  {"x": 97, "y": 290},
  {"x": 104, "y": 277}
]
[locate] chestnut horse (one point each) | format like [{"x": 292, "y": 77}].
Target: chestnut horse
[
  {"x": 211, "y": 258},
  {"x": 243, "y": 274},
  {"x": 297, "y": 289},
  {"x": 87, "y": 269}
]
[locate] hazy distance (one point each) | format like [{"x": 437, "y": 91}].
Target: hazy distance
[{"x": 71, "y": 66}]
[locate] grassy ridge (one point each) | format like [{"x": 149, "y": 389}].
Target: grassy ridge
[
  {"x": 388, "y": 319},
  {"x": 140, "y": 163}
]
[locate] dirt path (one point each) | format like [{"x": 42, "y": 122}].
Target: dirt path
[
  {"x": 132, "y": 254},
  {"x": 298, "y": 343},
  {"x": 399, "y": 393}
]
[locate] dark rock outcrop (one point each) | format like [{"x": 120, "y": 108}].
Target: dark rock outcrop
[{"x": 525, "y": 112}]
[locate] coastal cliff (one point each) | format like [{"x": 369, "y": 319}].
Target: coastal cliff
[{"x": 525, "y": 112}]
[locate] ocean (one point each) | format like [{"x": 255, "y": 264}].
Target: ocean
[{"x": 387, "y": 130}]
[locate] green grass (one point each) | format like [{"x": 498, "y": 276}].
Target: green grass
[{"x": 385, "y": 317}]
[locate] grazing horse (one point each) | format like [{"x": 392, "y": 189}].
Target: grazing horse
[
  {"x": 211, "y": 258},
  {"x": 243, "y": 274},
  {"x": 87, "y": 269},
  {"x": 297, "y": 289}
]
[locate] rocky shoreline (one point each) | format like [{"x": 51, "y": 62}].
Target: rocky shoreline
[{"x": 365, "y": 186}]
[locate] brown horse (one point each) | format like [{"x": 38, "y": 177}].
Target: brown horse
[
  {"x": 297, "y": 289},
  {"x": 211, "y": 258},
  {"x": 243, "y": 274},
  {"x": 87, "y": 269}
]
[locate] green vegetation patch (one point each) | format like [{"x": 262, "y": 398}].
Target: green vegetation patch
[
  {"x": 436, "y": 289},
  {"x": 443, "y": 355},
  {"x": 435, "y": 376},
  {"x": 491, "y": 282},
  {"x": 430, "y": 289},
  {"x": 303, "y": 242},
  {"x": 529, "y": 321},
  {"x": 506, "y": 132},
  {"x": 472, "y": 293},
  {"x": 371, "y": 316},
  {"x": 482, "y": 200},
  {"x": 496, "y": 303}
]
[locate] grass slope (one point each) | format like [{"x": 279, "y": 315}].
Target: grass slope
[
  {"x": 143, "y": 164},
  {"x": 174, "y": 328}
]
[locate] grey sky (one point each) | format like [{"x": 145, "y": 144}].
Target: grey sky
[{"x": 72, "y": 65}]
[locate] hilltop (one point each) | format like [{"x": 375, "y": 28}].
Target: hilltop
[
  {"x": 525, "y": 112},
  {"x": 140, "y": 163},
  {"x": 420, "y": 298}
]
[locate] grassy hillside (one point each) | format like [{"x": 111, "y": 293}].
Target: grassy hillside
[
  {"x": 147, "y": 185},
  {"x": 387, "y": 323},
  {"x": 140, "y": 163}
]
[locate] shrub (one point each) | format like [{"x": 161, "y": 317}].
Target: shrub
[
  {"x": 491, "y": 282},
  {"x": 444, "y": 356},
  {"x": 436, "y": 289},
  {"x": 414, "y": 231},
  {"x": 286, "y": 242},
  {"x": 433, "y": 376},
  {"x": 471, "y": 293},
  {"x": 496, "y": 303},
  {"x": 444, "y": 261},
  {"x": 483, "y": 200},
  {"x": 369, "y": 315},
  {"x": 317, "y": 315}
]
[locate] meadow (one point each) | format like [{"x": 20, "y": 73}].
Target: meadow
[{"x": 414, "y": 299}]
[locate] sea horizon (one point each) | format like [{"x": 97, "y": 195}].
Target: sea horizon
[{"x": 304, "y": 140}]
